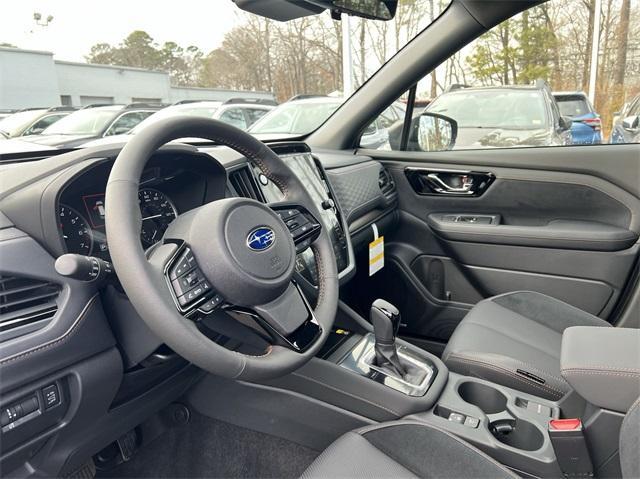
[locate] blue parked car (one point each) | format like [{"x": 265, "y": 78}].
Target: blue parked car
[{"x": 587, "y": 126}]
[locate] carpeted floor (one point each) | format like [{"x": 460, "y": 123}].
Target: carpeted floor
[{"x": 207, "y": 448}]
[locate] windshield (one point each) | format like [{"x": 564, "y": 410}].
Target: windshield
[
  {"x": 13, "y": 124},
  {"x": 294, "y": 118},
  {"x": 204, "y": 111},
  {"x": 509, "y": 109},
  {"x": 90, "y": 122},
  {"x": 204, "y": 51}
]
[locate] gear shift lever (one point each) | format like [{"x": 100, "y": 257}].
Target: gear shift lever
[{"x": 385, "y": 318}]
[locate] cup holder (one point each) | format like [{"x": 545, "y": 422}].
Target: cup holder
[
  {"x": 517, "y": 433},
  {"x": 488, "y": 399}
]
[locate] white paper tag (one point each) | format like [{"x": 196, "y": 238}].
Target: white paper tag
[{"x": 376, "y": 252}]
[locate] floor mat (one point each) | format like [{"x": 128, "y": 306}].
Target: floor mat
[{"x": 208, "y": 448}]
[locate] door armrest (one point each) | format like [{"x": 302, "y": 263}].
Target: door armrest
[{"x": 563, "y": 234}]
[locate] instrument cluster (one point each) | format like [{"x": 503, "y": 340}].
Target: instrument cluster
[
  {"x": 83, "y": 232},
  {"x": 163, "y": 194}
]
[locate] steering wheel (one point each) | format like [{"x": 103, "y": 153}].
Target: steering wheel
[{"x": 238, "y": 252}]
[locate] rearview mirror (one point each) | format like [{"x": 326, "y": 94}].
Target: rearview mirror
[
  {"x": 631, "y": 123},
  {"x": 436, "y": 132},
  {"x": 373, "y": 9}
]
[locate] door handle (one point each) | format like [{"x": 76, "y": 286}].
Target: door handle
[
  {"x": 440, "y": 186},
  {"x": 435, "y": 182}
]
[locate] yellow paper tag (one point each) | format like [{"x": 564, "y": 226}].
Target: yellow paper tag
[{"x": 376, "y": 255}]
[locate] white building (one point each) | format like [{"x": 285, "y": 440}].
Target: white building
[{"x": 30, "y": 78}]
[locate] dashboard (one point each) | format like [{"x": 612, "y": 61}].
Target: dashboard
[
  {"x": 84, "y": 339},
  {"x": 167, "y": 190}
]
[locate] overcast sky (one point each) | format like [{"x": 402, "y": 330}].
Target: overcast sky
[{"x": 79, "y": 24}]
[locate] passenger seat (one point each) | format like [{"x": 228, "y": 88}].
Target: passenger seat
[{"x": 514, "y": 339}]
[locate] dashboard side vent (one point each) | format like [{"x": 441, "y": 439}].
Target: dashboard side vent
[
  {"x": 25, "y": 301},
  {"x": 244, "y": 184},
  {"x": 386, "y": 184}
]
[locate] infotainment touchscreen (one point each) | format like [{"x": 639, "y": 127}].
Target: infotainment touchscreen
[{"x": 304, "y": 166}]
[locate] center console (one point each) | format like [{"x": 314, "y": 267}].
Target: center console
[
  {"x": 509, "y": 425},
  {"x": 372, "y": 374}
]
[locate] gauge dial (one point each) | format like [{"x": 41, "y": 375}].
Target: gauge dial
[
  {"x": 157, "y": 212},
  {"x": 75, "y": 231}
]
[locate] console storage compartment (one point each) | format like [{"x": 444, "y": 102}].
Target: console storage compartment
[{"x": 509, "y": 425}]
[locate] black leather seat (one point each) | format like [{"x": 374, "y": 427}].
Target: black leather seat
[
  {"x": 404, "y": 449},
  {"x": 514, "y": 339}
]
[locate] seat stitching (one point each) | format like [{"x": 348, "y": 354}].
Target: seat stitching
[
  {"x": 546, "y": 388},
  {"x": 595, "y": 367},
  {"x": 602, "y": 373},
  {"x": 530, "y": 366}
]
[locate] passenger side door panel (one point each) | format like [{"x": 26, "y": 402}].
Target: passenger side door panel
[{"x": 561, "y": 221}]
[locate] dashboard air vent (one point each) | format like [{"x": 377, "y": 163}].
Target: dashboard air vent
[
  {"x": 386, "y": 184},
  {"x": 26, "y": 301},
  {"x": 244, "y": 184}
]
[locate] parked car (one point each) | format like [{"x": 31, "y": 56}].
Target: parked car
[
  {"x": 31, "y": 121},
  {"x": 504, "y": 116},
  {"x": 626, "y": 125},
  {"x": 239, "y": 112},
  {"x": 306, "y": 113},
  {"x": 90, "y": 123},
  {"x": 5, "y": 113},
  {"x": 586, "y": 127}
]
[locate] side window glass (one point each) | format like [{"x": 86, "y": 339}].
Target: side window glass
[
  {"x": 234, "y": 117},
  {"x": 253, "y": 115},
  {"x": 40, "y": 125},
  {"x": 525, "y": 83},
  {"x": 126, "y": 122}
]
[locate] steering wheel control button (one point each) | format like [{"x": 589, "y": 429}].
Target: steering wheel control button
[
  {"x": 51, "y": 396},
  {"x": 188, "y": 281},
  {"x": 286, "y": 214},
  {"x": 302, "y": 226},
  {"x": 185, "y": 264},
  {"x": 211, "y": 304},
  {"x": 191, "y": 296}
]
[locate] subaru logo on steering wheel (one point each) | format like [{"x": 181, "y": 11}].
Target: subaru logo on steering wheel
[{"x": 261, "y": 239}]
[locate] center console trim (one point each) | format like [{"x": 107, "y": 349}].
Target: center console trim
[{"x": 360, "y": 360}]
